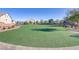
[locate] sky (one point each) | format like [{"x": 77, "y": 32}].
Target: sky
[{"x": 23, "y": 14}]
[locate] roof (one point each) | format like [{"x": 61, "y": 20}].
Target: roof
[{"x": 2, "y": 13}]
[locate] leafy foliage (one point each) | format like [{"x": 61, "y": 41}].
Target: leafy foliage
[{"x": 73, "y": 15}]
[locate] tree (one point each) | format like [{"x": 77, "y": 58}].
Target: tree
[
  {"x": 73, "y": 18},
  {"x": 46, "y": 21},
  {"x": 73, "y": 15},
  {"x": 51, "y": 21},
  {"x": 41, "y": 21},
  {"x": 37, "y": 22}
]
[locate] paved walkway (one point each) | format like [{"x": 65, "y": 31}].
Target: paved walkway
[{"x": 6, "y": 46}]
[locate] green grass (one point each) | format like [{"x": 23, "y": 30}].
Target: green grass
[{"x": 40, "y": 36}]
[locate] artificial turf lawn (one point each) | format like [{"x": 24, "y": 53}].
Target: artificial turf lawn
[{"x": 40, "y": 36}]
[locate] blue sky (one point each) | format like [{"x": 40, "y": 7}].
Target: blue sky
[{"x": 23, "y": 14}]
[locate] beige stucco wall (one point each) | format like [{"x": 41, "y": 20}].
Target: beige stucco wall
[{"x": 6, "y": 19}]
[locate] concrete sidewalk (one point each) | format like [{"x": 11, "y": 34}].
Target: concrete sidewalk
[{"x": 6, "y": 46}]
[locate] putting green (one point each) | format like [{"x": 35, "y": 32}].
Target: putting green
[{"x": 40, "y": 36}]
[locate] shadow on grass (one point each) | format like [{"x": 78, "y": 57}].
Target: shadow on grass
[
  {"x": 75, "y": 35},
  {"x": 45, "y": 29}
]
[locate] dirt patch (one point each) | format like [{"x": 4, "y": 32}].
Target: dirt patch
[{"x": 10, "y": 29}]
